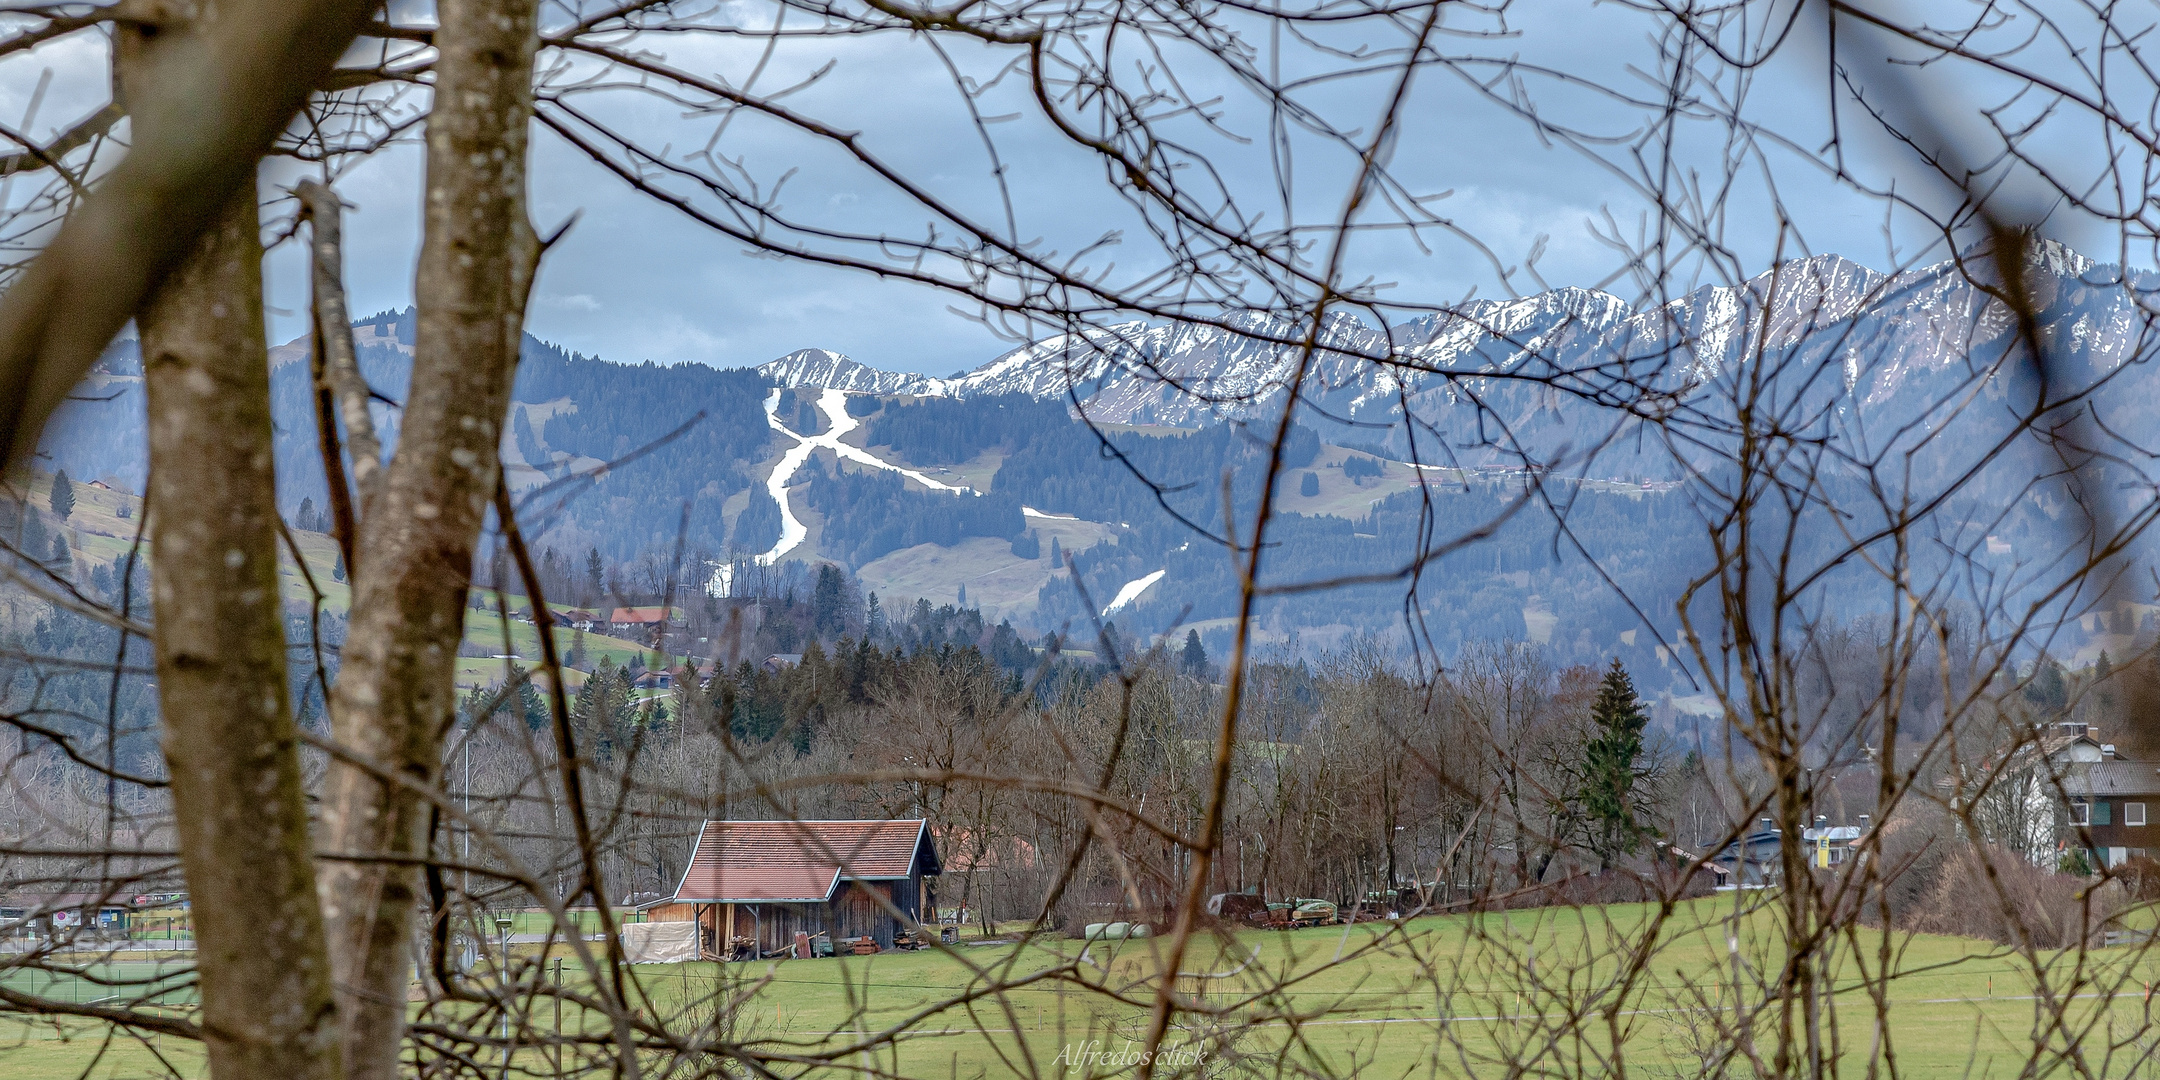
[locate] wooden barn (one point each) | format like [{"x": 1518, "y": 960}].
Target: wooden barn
[{"x": 766, "y": 881}]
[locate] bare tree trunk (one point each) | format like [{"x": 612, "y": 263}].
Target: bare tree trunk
[
  {"x": 395, "y": 697},
  {"x": 230, "y": 741},
  {"x": 228, "y": 78}
]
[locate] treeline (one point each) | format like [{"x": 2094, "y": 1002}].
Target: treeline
[
  {"x": 948, "y": 431},
  {"x": 1352, "y": 781},
  {"x": 872, "y": 513}
]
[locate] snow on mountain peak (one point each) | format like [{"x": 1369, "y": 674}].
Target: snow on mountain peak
[{"x": 1879, "y": 329}]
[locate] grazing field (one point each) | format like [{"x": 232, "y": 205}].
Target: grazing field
[{"x": 1457, "y": 996}]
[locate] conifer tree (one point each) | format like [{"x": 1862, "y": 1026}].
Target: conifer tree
[
  {"x": 1612, "y": 768},
  {"x": 1193, "y": 659},
  {"x": 32, "y": 544},
  {"x": 63, "y": 495}
]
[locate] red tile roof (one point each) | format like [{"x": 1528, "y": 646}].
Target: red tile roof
[
  {"x": 653, "y": 614},
  {"x": 799, "y": 861}
]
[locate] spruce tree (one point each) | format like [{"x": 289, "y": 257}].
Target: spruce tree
[
  {"x": 63, "y": 495},
  {"x": 1310, "y": 485},
  {"x": 33, "y": 543},
  {"x": 1194, "y": 657},
  {"x": 338, "y": 572},
  {"x": 1612, "y": 767}
]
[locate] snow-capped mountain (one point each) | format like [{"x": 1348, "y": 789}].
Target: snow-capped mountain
[
  {"x": 834, "y": 371},
  {"x": 1883, "y": 331}
]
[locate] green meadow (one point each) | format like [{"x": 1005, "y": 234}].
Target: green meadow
[{"x": 1463, "y": 995}]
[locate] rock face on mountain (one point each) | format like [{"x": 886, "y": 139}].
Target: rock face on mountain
[
  {"x": 1531, "y": 357},
  {"x": 823, "y": 368}
]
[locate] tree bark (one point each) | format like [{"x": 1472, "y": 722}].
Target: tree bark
[
  {"x": 230, "y": 742},
  {"x": 395, "y": 698},
  {"x": 228, "y": 78},
  {"x": 341, "y": 391}
]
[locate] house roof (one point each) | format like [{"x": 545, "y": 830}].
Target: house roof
[
  {"x": 1847, "y": 833},
  {"x": 2105, "y": 778},
  {"x": 653, "y": 614},
  {"x": 799, "y": 861}
]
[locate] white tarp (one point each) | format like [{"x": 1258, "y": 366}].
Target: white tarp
[{"x": 660, "y": 942}]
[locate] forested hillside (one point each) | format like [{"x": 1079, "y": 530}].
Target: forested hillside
[{"x": 1008, "y": 503}]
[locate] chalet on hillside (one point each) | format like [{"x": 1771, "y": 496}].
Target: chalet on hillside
[
  {"x": 626, "y": 621},
  {"x": 766, "y": 881}
]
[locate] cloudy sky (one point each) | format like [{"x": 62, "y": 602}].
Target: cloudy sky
[{"x": 636, "y": 280}]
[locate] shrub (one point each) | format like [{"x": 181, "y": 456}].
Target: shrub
[{"x": 1965, "y": 902}]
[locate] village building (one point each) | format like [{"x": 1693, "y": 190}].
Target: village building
[
  {"x": 1831, "y": 846},
  {"x": 644, "y": 621},
  {"x": 753, "y": 886},
  {"x": 1755, "y": 860},
  {"x": 2108, "y": 805}
]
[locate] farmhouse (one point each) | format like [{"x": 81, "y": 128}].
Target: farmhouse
[
  {"x": 759, "y": 883},
  {"x": 625, "y": 621}
]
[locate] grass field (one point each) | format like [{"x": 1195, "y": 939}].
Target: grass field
[{"x": 1455, "y": 996}]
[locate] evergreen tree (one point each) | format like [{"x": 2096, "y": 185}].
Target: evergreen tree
[
  {"x": 874, "y": 621},
  {"x": 305, "y": 519},
  {"x": 63, "y": 495},
  {"x": 1193, "y": 658},
  {"x": 595, "y": 577},
  {"x": 576, "y": 658},
  {"x": 1612, "y": 767},
  {"x": 604, "y": 713},
  {"x": 1057, "y": 557},
  {"x": 337, "y": 572},
  {"x": 828, "y": 600},
  {"x": 62, "y": 559},
  {"x": 963, "y": 597},
  {"x": 2103, "y": 684},
  {"x": 528, "y": 445},
  {"x": 2047, "y": 688},
  {"x": 33, "y": 543},
  {"x": 1310, "y": 485},
  {"x": 531, "y": 707}
]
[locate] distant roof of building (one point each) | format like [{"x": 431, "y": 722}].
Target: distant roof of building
[
  {"x": 652, "y": 614},
  {"x": 1832, "y": 832},
  {"x": 800, "y": 861},
  {"x": 2105, "y": 778}
]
